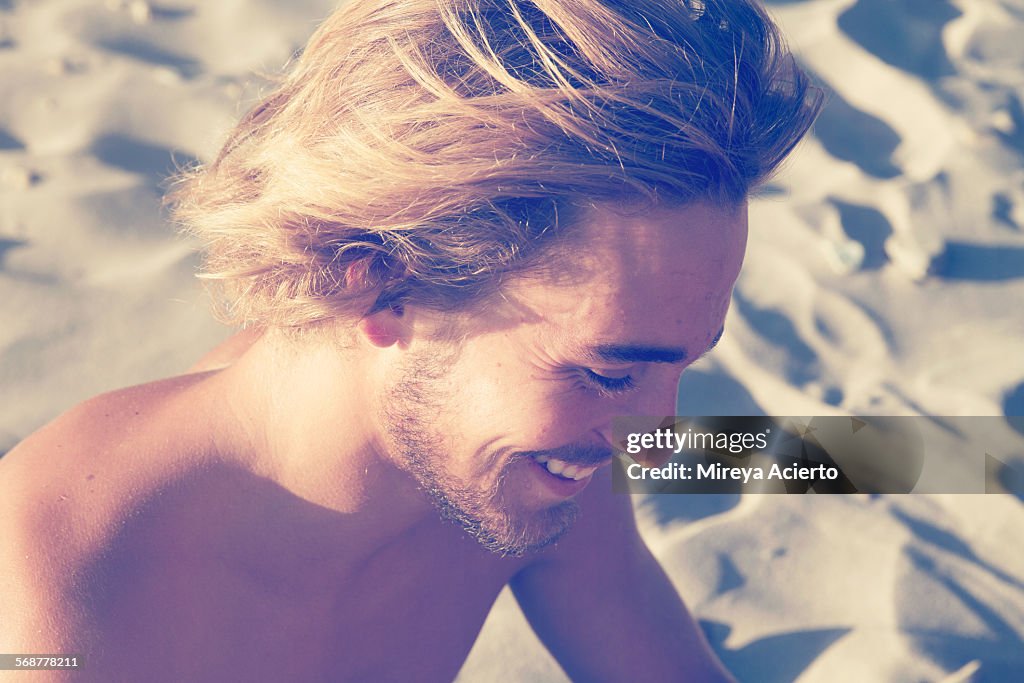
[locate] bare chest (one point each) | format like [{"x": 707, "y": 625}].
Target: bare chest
[{"x": 197, "y": 621}]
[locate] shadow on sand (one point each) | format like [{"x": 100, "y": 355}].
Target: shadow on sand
[
  {"x": 1000, "y": 649},
  {"x": 870, "y": 227},
  {"x": 144, "y": 51},
  {"x": 153, "y": 162},
  {"x": 906, "y": 34},
  {"x": 852, "y": 135},
  {"x": 981, "y": 263},
  {"x": 800, "y": 360},
  {"x": 773, "y": 659}
]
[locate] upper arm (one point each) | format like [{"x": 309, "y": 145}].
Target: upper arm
[
  {"x": 37, "y": 611},
  {"x": 42, "y": 577},
  {"x": 605, "y": 608}
]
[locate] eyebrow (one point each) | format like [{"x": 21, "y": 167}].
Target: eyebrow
[{"x": 640, "y": 353}]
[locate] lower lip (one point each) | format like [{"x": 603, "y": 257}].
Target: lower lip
[{"x": 560, "y": 486}]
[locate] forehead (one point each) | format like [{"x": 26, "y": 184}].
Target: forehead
[{"x": 661, "y": 276}]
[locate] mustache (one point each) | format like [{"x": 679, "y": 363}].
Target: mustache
[{"x": 576, "y": 454}]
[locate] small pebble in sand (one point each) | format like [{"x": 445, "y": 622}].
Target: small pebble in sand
[
  {"x": 64, "y": 66},
  {"x": 845, "y": 257},
  {"x": 18, "y": 178}
]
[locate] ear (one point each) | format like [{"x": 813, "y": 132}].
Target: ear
[{"x": 383, "y": 328}]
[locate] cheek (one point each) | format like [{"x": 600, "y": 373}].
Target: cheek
[
  {"x": 523, "y": 412},
  {"x": 530, "y": 413},
  {"x": 563, "y": 415},
  {"x": 503, "y": 401}
]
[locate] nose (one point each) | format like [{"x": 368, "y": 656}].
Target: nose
[{"x": 660, "y": 399}]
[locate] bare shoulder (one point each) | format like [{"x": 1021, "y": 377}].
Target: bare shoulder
[
  {"x": 115, "y": 443},
  {"x": 64, "y": 493}
]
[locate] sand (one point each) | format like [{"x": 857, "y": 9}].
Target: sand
[{"x": 885, "y": 275}]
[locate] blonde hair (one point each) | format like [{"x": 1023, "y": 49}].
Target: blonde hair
[{"x": 419, "y": 150}]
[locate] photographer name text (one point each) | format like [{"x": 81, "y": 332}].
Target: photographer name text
[{"x": 719, "y": 472}]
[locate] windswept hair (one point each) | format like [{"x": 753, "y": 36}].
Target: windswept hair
[{"x": 419, "y": 150}]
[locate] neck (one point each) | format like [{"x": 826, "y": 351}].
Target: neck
[{"x": 303, "y": 417}]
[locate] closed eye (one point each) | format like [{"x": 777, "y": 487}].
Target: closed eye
[{"x": 606, "y": 385}]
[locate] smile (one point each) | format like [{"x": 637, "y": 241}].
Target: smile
[{"x": 565, "y": 470}]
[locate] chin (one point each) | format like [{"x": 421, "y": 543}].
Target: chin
[{"x": 515, "y": 535}]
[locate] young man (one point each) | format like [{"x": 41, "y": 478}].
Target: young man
[{"x": 467, "y": 233}]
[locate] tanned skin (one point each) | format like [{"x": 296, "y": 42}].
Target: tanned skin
[{"x": 250, "y": 520}]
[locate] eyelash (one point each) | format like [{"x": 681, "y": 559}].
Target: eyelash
[{"x": 608, "y": 386}]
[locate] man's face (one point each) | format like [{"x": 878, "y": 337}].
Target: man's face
[{"x": 505, "y": 424}]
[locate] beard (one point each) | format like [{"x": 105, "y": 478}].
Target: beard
[{"x": 484, "y": 511}]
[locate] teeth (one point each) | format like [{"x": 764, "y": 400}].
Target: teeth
[
  {"x": 584, "y": 472},
  {"x": 564, "y": 469}
]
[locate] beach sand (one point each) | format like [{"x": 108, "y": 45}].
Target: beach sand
[{"x": 884, "y": 276}]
